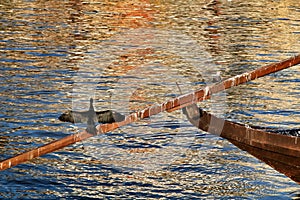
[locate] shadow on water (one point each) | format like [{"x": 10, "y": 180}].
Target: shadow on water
[{"x": 56, "y": 55}]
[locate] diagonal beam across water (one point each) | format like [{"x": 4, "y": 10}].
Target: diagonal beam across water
[{"x": 171, "y": 105}]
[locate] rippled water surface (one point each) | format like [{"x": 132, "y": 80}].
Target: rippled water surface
[{"x": 55, "y": 55}]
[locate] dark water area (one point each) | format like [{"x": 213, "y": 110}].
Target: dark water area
[{"x": 55, "y": 55}]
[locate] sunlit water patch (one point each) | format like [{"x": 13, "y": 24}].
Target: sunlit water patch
[{"x": 51, "y": 51}]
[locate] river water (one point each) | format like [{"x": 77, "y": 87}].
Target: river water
[{"x": 55, "y": 55}]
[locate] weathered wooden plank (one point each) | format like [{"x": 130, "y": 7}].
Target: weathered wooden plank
[{"x": 171, "y": 105}]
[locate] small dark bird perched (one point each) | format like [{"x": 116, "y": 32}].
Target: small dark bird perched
[{"x": 90, "y": 116}]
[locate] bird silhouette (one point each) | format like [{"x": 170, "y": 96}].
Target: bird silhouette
[{"x": 91, "y": 116}]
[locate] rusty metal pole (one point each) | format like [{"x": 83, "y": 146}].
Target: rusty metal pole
[{"x": 171, "y": 105}]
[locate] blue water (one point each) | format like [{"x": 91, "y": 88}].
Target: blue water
[{"x": 56, "y": 55}]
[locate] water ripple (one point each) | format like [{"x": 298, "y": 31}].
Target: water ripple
[{"x": 50, "y": 49}]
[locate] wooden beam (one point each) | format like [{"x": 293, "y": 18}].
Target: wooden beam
[{"x": 171, "y": 105}]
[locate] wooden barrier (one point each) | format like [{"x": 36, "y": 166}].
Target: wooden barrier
[{"x": 171, "y": 105}]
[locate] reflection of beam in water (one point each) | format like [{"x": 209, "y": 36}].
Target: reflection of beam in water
[{"x": 281, "y": 152}]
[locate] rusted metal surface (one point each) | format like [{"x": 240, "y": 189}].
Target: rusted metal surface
[{"x": 171, "y": 105}]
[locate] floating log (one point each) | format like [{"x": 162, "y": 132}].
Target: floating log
[{"x": 171, "y": 105}]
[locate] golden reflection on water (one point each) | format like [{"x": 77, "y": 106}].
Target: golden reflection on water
[{"x": 47, "y": 45}]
